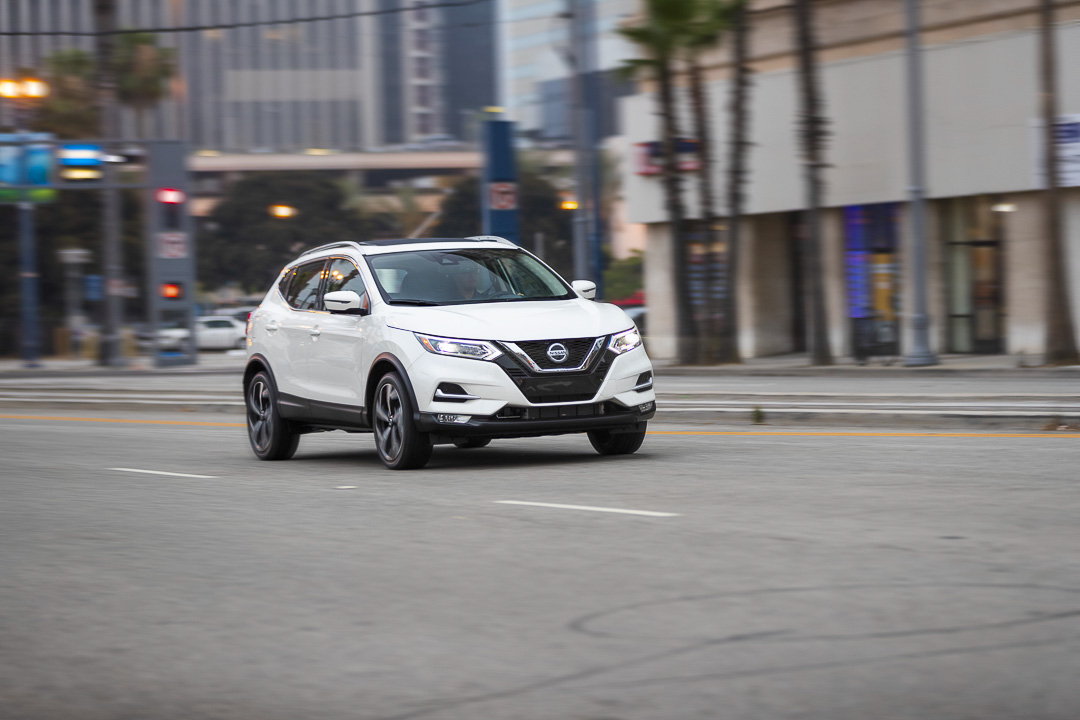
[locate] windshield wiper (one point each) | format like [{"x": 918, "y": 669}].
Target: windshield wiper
[{"x": 412, "y": 301}]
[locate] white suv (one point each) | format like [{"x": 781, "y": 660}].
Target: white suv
[{"x": 427, "y": 342}]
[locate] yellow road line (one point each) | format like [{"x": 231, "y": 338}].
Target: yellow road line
[
  {"x": 784, "y": 433},
  {"x": 121, "y": 420},
  {"x": 737, "y": 433}
]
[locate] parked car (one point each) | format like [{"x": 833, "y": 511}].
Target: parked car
[
  {"x": 427, "y": 342},
  {"x": 237, "y": 313},
  {"x": 213, "y": 332}
]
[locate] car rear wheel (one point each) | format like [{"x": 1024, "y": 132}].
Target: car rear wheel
[
  {"x": 470, "y": 443},
  {"x": 271, "y": 436},
  {"x": 606, "y": 442},
  {"x": 401, "y": 446}
]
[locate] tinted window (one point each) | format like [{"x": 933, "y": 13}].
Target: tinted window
[
  {"x": 445, "y": 277},
  {"x": 302, "y": 291}
]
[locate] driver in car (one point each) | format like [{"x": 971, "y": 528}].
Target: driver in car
[{"x": 466, "y": 282}]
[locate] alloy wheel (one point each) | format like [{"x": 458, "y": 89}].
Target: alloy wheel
[
  {"x": 259, "y": 415},
  {"x": 389, "y": 420}
]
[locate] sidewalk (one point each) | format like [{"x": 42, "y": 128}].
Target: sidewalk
[
  {"x": 799, "y": 366},
  {"x": 962, "y": 393}
]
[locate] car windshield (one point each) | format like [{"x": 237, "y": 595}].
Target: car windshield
[{"x": 473, "y": 275}]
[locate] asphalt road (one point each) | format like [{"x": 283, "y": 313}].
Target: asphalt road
[{"x": 810, "y": 576}]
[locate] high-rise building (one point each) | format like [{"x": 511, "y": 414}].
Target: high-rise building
[
  {"x": 535, "y": 45},
  {"x": 256, "y": 76}
]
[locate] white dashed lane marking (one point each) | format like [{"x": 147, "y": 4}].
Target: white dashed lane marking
[
  {"x": 589, "y": 508},
  {"x": 162, "y": 472}
]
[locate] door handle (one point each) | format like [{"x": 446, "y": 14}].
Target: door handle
[
  {"x": 315, "y": 332},
  {"x": 272, "y": 327}
]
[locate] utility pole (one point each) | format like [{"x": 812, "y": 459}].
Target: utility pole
[
  {"x": 920, "y": 354},
  {"x": 112, "y": 270},
  {"x": 28, "y": 273},
  {"x": 579, "y": 14}
]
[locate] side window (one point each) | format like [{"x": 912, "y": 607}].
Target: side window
[
  {"x": 302, "y": 292},
  {"x": 346, "y": 276}
]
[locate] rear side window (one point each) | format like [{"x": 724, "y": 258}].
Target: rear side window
[{"x": 302, "y": 292}]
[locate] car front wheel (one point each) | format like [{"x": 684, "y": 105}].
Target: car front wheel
[
  {"x": 271, "y": 436},
  {"x": 401, "y": 446},
  {"x": 606, "y": 442}
]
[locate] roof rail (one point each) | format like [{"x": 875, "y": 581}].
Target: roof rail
[
  {"x": 344, "y": 243},
  {"x": 490, "y": 238}
]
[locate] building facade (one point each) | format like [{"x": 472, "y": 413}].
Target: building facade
[
  {"x": 986, "y": 244},
  {"x": 536, "y": 60},
  {"x": 347, "y": 83}
]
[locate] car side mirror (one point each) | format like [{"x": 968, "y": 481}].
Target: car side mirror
[
  {"x": 585, "y": 288},
  {"x": 345, "y": 302}
]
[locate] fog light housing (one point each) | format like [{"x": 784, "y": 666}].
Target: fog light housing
[
  {"x": 449, "y": 419},
  {"x": 646, "y": 407}
]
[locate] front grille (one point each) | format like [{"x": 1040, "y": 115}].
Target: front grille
[
  {"x": 550, "y": 413},
  {"x": 578, "y": 349},
  {"x": 557, "y": 387},
  {"x": 555, "y": 412}
]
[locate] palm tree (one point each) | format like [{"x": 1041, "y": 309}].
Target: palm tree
[
  {"x": 739, "y": 109},
  {"x": 812, "y": 135},
  {"x": 711, "y": 19},
  {"x": 661, "y": 37},
  {"x": 70, "y": 110},
  {"x": 143, "y": 71},
  {"x": 1060, "y": 337}
]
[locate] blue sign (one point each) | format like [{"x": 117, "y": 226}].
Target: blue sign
[
  {"x": 26, "y": 163},
  {"x": 94, "y": 288},
  {"x": 79, "y": 155},
  {"x": 499, "y": 191}
]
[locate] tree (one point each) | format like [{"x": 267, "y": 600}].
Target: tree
[
  {"x": 661, "y": 38},
  {"x": 739, "y": 109},
  {"x": 812, "y": 134},
  {"x": 540, "y": 211},
  {"x": 245, "y": 245},
  {"x": 1060, "y": 335},
  {"x": 70, "y": 110},
  {"x": 624, "y": 277},
  {"x": 711, "y": 19},
  {"x": 143, "y": 71}
]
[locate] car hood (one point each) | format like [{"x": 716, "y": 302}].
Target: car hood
[{"x": 513, "y": 321}]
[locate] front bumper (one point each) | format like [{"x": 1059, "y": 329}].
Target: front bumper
[
  {"x": 502, "y": 383},
  {"x": 517, "y": 422}
]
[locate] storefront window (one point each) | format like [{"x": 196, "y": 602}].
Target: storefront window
[
  {"x": 974, "y": 232},
  {"x": 871, "y": 234}
]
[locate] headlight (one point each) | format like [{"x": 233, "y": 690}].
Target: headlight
[
  {"x": 475, "y": 349},
  {"x": 624, "y": 341}
]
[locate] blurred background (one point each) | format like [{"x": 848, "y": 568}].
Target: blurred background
[{"x": 840, "y": 181}]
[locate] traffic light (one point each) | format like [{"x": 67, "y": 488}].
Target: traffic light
[
  {"x": 172, "y": 203},
  {"x": 171, "y": 291}
]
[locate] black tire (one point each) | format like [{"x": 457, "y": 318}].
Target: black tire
[
  {"x": 606, "y": 442},
  {"x": 400, "y": 445},
  {"x": 271, "y": 436},
  {"x": 470, "y": 443}
]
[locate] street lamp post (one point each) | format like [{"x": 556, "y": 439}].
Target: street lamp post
[
  {"x": 920, "y": 354},
  {"x": 20, "y": 93}
]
